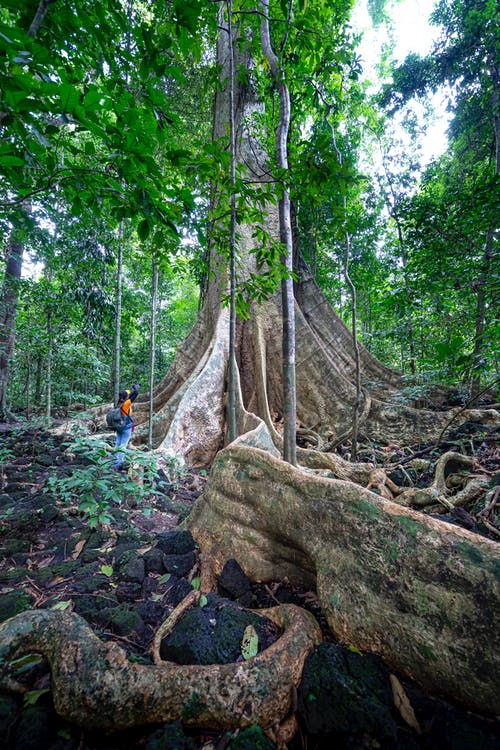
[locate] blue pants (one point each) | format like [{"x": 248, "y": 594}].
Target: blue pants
[{"x": 122, "y": 439}]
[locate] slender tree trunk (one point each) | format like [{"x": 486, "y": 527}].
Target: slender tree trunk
[
  {"x": 48, "y": 384},
  {"x": 119, "y": 283},
  {"x": 39, "y": 17},
  {"x": 28, "y": 385},
  {"x": 38, "y": 380},
  {"x": 495, "y": 107},
  {"x": 152, "y": 348},
  {"x": 357, "y": 370},
  {"x": 409, "y": 319},
  {"x": 479, "y": 343},
  {"x": 232, "y": 385},
  {"x": 8, "y": 310},
  {"x": 287, "y": 295},
  {"x": 391, "y": 201}
]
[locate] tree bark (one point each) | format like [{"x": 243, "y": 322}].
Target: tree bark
[
  {"x": 8, "y": 310},
  {"x": 119, "y": 282},
  {"x": 232, "y": 365},
  {"x": 285, "y": 227},
  {"x": 479, "y": 342},
  {"x": 152, "y": 349},
  {"x": 417, "y": 590}
]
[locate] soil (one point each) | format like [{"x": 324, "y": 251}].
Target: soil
[{"x": 102, "y": 562}]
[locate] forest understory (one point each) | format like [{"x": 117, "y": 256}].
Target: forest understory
[{"x": 115, "y": 578}]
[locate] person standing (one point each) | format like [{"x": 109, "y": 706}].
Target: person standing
[{"x": 125, "y": 401}]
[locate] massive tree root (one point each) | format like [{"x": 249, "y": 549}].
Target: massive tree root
[
  {"x": 417, "y": 590},
  {"x": 94, "y": 685}
]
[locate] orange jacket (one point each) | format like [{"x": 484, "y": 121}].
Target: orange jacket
[{"x": 126, "y": 407}]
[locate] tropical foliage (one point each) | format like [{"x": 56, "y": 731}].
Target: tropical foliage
[{"x": 105, "y": 145}]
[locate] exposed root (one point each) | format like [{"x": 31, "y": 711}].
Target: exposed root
[
  {"x": 445, "y": 478},
  {"x": 389, "y": 579},
  {"x": 384, "y": 484},
  {"x": 169, "y": 624},
  {"x": 94, "y": 685},
  {"x": 491, "y": 500}
]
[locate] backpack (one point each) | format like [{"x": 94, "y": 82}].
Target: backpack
[{"x": 116, "y": 421}]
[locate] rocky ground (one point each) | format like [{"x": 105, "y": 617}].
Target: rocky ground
[{"x": 75, "y": 536}]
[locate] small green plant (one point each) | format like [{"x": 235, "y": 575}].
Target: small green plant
[
  {"x": 173, "y": 470},
  {"x": 95, "y": 487}
]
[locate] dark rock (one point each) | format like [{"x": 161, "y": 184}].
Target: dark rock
[
  {"x": 152, "y": 613},
  {"x": 251, "y": 738},
  {"x": 176, "y": 542},
  {"x": 468, "y": 428},
  {"x": 33, "y": 731},
  {"x": 45, "y": 460},
  {"x": 128, "y": 591},
  {"x": 342, "y": 692},
  {"x": 14, "y": 602},
  {"x": 122, "y": 620},
  {"x": 179, "y": 564},
  {"x": 178, "y": 589},
  {"x": 154, "y": 560},
  {"x": 132, "y": 567},
  {"x": 149, "y": 586},
  {"x": 447, "y": 728},
  {"x": 213, "y": 634},
  {"x": 403, "y": 478},
  {"x": 234, "y": 584},
  {"x": 88, "y": 605},
  {"x": 8, "y": 716},
  {"x": 170, "y": 737}
]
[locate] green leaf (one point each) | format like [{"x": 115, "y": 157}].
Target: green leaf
[
  {"x": 32, "y": 696},
  {"x": 143, "y": 229},
  {"x": 249, "y": 643},
  {"x": 11, "y": 161},
  {"x": 354, "y": 649},
  {"x": 107, "y": 570},
  {"x": 69, "y": 97},
  {"x": 203, "y": 601},
  {"x": 195, "y": 583},
  {"x": 164, "y": 578},
  {"x": 63, "y": 605},
  {"x": 92, "y": 99}
]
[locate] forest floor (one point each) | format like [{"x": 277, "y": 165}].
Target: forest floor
[{"x": 107, "y": 571}]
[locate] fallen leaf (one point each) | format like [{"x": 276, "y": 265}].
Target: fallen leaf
[
  {"x": 55, "y": 582},
  {"x": 78, "y": 548},
  {"x": 249, "y": 643},
  {"x": 402, "y": 703},
  {"x": 63, "y": 605}
]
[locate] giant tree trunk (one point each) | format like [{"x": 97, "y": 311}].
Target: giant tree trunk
[
  {"x": 390, "y": 580},
  {"x": 189, "y": 403},
  {"x": 415, "y": 589}
]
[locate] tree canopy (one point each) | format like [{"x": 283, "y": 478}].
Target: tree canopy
[{"x": 106, "y": 142}]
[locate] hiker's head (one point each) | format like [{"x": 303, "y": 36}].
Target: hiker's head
[{"x": 122, "y": 395}]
